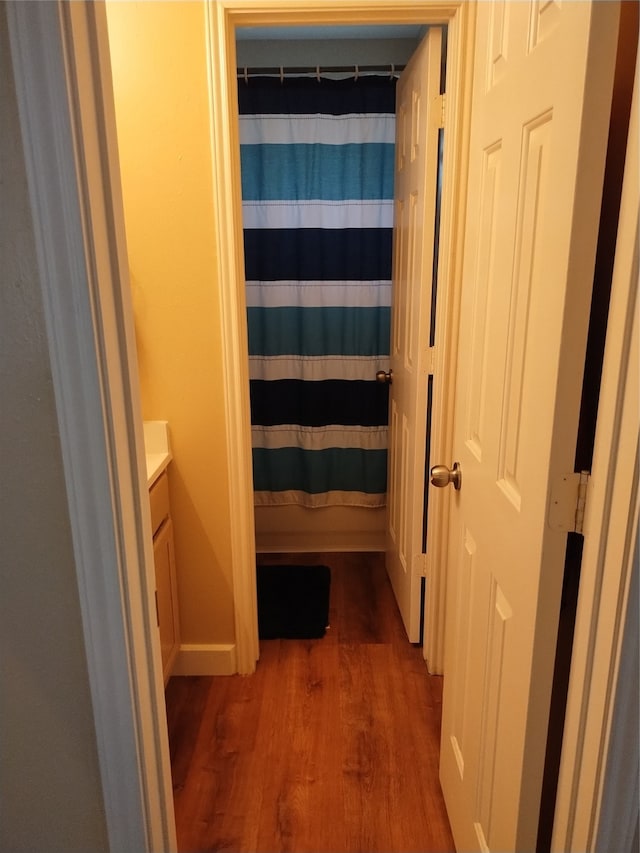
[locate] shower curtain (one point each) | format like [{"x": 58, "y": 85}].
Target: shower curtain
[{"x": 317, "y": 159}]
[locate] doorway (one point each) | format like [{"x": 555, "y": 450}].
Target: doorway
[
  {"x": 226, "y": 171},
  {"x": 331, "y": 276},
  {"x": 215, "y": 529}
]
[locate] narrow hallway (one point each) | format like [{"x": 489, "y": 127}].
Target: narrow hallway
[{"x": 332, "y": 745}]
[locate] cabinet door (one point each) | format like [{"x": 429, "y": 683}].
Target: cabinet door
[{"x": 166, "y": 596}]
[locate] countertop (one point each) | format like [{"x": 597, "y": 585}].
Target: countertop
[{"x": 157, "y": 449}]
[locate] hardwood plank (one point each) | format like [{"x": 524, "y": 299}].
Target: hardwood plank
[
  {"x": 192, "y": 800},
  {"x": 302, "y": 806},
  {"x": 332, "y": 745},
  {"x": 417, "y": 699},
  {"x": 207, "y": 808},
  {"x": 185, "y": 699},
  {"x": 360, "y": 615},
  {"x": 368, "y": 779}
]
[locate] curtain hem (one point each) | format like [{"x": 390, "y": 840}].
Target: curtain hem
[{"x": 323, "y": 499}]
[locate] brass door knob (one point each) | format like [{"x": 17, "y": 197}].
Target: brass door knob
[
  {"x": 441, "y": 476},
  {"x": 381, "y": 376}
]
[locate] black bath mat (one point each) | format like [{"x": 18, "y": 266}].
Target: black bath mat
[{"x": 293, "y": 602}]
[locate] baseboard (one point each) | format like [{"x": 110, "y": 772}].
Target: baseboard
[{"x": 206, "y": 659}]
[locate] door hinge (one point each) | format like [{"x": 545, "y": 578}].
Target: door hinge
[
  {"x": 443, "y": 101},
  {"x": 431, "y": 360},
  {"x": 568, "y": 502},
  {"x": 419, "y": 564}
]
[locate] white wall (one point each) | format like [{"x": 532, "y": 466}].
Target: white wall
[
  {"x": 50, "y": 790},
  {"x": 325, "y": 52}
]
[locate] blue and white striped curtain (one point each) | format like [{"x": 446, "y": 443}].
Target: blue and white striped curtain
[{"x": 317, "y": 186}]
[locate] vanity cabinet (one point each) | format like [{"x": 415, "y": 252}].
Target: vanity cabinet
[{"x": 165, "y": 567}]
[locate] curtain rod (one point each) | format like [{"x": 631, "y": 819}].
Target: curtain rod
[{"x": 246, "y": 72}]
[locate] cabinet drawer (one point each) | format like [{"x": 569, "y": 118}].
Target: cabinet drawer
[
  {"x": 159, "y": 500},
  {"x": 166, "y": 598}
]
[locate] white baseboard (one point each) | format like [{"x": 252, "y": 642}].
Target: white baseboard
[{"x": 206, "y": 659}]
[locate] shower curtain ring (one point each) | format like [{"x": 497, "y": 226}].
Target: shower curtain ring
[
  {"x": 246, "y": 75},
  {"x": 281, "y": 74},
  {"x": 318, "y": 73},
  {"x": 393, "y": 70},
  {"x": 357, "y": 73}
]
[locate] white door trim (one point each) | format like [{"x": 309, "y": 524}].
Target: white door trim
[
  {"x": 610, "y": 551},
  {"x": 63, "y": 84},
  {"x": 223, "y": 17}
]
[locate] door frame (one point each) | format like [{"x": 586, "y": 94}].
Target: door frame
[
  {"x": 223, "y": 16},
  {"x": 62, "y": 70},
  {"x": 59, "y": 53},
  {"x": 603, "y": 682}
]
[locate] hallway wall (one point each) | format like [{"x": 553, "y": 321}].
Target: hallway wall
[{"x": 50, "y": 789}]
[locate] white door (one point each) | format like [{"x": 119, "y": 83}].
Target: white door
[
  {"x": 418, "y": 113},
  {"x": 540, "y": 111}
]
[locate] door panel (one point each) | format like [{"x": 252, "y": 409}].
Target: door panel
[
  {"x": 540, "y": 112},
  {"x": 417, "y": 123}
]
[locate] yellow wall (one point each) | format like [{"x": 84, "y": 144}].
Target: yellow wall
[{"x": 160, "y": 87}]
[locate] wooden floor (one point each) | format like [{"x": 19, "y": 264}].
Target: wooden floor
[{"x": 332, "y": 745}]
